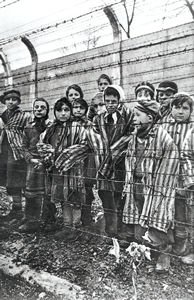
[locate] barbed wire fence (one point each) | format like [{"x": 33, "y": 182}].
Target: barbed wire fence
[{"x": 22, "y": 80}]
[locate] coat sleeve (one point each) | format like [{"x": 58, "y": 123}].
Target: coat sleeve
[
  {"x": 25, "y": 146},
  {"x": 187, "y": 158}
]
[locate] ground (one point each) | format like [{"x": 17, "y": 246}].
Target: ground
[{"x": 86, "y": 261}]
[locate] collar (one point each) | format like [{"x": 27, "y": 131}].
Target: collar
[
  {"x": 115, "y": 115},
  {"x": 171, "y": 120}
]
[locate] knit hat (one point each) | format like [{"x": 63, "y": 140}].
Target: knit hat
[
  {"x": 9, "y": 94},
  {"x": 145, "y": 85},
  {"x": 149, "y": 107},
  {"x": 167, "y": 85}
]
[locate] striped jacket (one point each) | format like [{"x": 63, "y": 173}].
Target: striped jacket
[
  {"x": 176, "y": 130},
  {"x": 178, "y": 133},
  {"x": 61, "y": 137},
  {"x": 160, "y": 168},
  {"x": 14, "y": 124},
  {"x": 97, "y": 141},
  {"x": 187, "y": 155}
]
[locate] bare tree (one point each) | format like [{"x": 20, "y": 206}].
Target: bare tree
[
  {"x": 190, "y": 5},
  {"x": 129, "y": 18}
]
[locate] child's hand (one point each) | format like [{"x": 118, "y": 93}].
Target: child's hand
[{"x": 36, "y": 163}]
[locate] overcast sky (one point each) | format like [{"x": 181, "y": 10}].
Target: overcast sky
[{"x": 24, "y": 16}]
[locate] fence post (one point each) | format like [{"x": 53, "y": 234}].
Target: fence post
[
  {"x": 7, "y": 69},
  {"x": 34, "y": 68},
  {"x": 117, "y": 37}
]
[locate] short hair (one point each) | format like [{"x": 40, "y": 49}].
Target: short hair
[
  {"x": 111, "y": 91},
  {"x": 82, "y": 102},
  {"x": 106, "y": 77},
  {"x": 59, "y": 104},
  {"x": 180, "y": 98},
  {"x": 77, "y": 88}
]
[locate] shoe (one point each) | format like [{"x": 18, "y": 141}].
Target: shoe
[
  {"x": 62, "y": 234},
  {"x": 163, "y": 262},
  {"x": 49, "y": 227},
  {"x": 181, "y": 247},
  {"x": 30, "y": 227},
  {"x": 188, "y": 259},
  {"x": 14, "y": 215}
]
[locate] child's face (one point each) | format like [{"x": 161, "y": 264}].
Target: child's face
[
  {"x": 40, "y": 109},
  {"x": 141, "y": 119},
  {"x": 78, "y": 110},
  {"x": 99, "y": 105},
  {"x": 143, "y": 94},
  {"x": 11, "y": 103},
  {"x": 102, "y": 84},
  {"x": 163, "y": 96},
  {"x": 111, "y": 103},
  {"x": 63, "y": 114},
  {"x": 73, "y": 94},
  {"x": 181, "y": 112}
]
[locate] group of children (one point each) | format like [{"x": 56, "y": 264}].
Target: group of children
[{"x": 140, "y": 160}]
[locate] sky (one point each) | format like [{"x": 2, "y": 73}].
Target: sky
[{"x": 21, "y": 17}]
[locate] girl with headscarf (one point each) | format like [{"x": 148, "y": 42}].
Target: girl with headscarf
[{"x": 67, "y": 189}]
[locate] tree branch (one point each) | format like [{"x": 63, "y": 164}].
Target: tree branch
[{"x": 190, "y": 7}]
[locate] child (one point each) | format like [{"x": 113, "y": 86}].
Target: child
[
  {"x": 188, "y": 171},
  {"x": 97, "y": 106},
  {"x": 111, "y": 126},
  {"x": 151, "y": 166},
  {"x": 108, "y": 127},
  {"x": 103, "y": 81},
  {"x": 178, "y": 124},
  {"x": 79, "y": 109},
  {"x": 67, "y": 190},
  {"x": 151, "y": 169},
  {"x": 144, "y": 91},
  {"x": 165, "y": 91},
  {"x": 73, "y": 92},
  {"x": 12, "y": 164},
  {"x": 35, "y": 179}
]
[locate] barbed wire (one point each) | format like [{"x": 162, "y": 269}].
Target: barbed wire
[
  {"x": 117, "y": 51},
  {"x": 9, "y": 4}
]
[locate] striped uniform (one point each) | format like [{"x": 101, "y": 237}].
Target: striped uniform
[
  {"x": 13, "y": 127},
  {"x": 160, "y": 167},
  {"x": 12, "y": 164},
  {"x": 187, "y": 155},
  {"x": 60, "y": 137},
  {"x": 98, "y": 141}
]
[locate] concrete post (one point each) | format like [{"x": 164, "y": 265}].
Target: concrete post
[
  {"x": 34, "y": 69},
  {"x": 117, "y": 37},
  {"x": 7, "y": 69}
]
